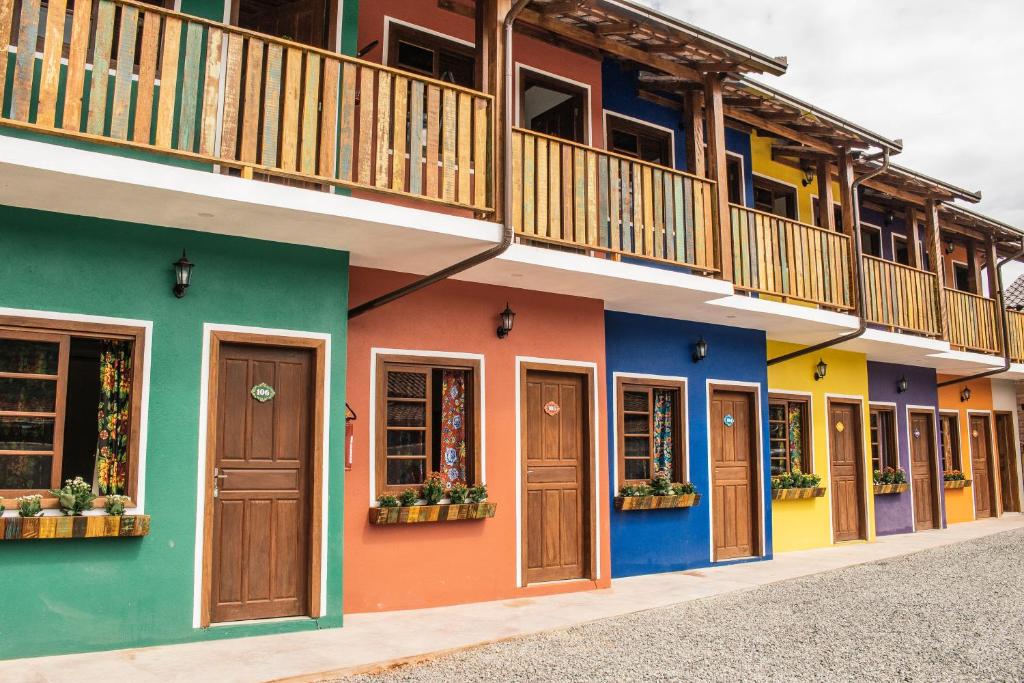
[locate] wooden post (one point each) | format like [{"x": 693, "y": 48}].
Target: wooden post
[
  {"x": 991, "y": 270},
  {"x": 913, "y": 243},
  {"x": 693, "y": 123},
  {"x": 826, "y": 214},
  {"x": 714, "y": 115},
  {"x": 847, "y": 200},
  {"x": 490, "y": 75},
  {"x": 936, "y": 259},
  {"x": 973, "y": 270}
]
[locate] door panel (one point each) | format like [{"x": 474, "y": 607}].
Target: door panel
[
  {"x": 261, "y": 556},
  {"x": 846, "y": 471},
  {"x": 981, "y": 465},
  {"x": 1007, "y": 463},
  {"x": 556, "y": 487},
  {"x": 733, "y": 475},
  {"x": 922, "y": 460}
]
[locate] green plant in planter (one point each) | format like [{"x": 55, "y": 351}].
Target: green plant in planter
[
  {"x": 477, "y": 494},
  {"x": 458, "y": 493},
  {"x": 433, "y": 489},
  {"x": 684, "y": 489},
  {"x": 75, "y": 497},
  {"x": 796, "y": 480},
  {"x": 890, "y": 475},
  {"x": 635, "y": 490},
  {"x": 114, "y": 504},
  {"x": 953, "y": 475},
  {"x": 387, "y": 501},
  {"x": 30, "y": 506},
  {"x": 408, "y": 498},
  {"x": 661, "y": 484}
]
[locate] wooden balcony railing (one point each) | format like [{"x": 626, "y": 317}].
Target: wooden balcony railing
[
  {"x": 572, "y": 194},
  {"x": 205, "y": 91},
  {"x": 1015, "y": 331},
  {"x": 789, "y": 259},
  {"x": 971, "y": 321},
  {"x": 901, "y": 297}
]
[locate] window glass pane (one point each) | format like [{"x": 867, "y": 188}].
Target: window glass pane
[
  {"x": 635, "y": 401},
  {"x": 406, "y": 414},
  {"x": 636, "y": 448},
  {"x": 415, "y": 57},
  {"x": 28, "y": 395},
  {"x": 25, "y": 471},
  {"x": 26, "y": 434},
  {"x": 30, "y": 357},
  {"x": 407, "y": 385},
  {"x": 407, "y": 442},
  {"x": 406, "y": 471},
  {"x": 638, "y": 469},
  {"x": 777, "y": 412},
  {"x": 635, "y": 424},
  {"x": 624, "y": 142}
]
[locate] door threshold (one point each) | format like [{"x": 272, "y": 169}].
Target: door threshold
[
  {"x": 270, "y": 620},
  {"x": 555, "y": 582}
]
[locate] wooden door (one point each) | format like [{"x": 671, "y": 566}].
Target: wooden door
[
  {"x": 556, "y": 492},
  {"x": 1007, "y": 462},
  {"x": 846, "y": 471},
  {"x": 923, "y": 480},
  {"x": 981, "y": 466},
  {"x": 261, "y": 504},
  {"x": 734, "y": 474}
]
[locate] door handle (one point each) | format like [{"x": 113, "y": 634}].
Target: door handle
[{"x": 217, "y": 477}]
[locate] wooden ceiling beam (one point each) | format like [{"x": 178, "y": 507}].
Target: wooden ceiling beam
[
  {"x": 619, "y": 28},
  {"x": 458, "y": 8},
  {"x": 561, "y": 7},
  {"x": 801, "y": 152},
  {"x": 777, "y": 129}
]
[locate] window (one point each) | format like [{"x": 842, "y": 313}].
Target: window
[
  {"x": 651, "y": 431},
  {"x": 427, "y": 422},
  {"x": 774, "y": 197},
  {"x": 900, "y": 249},
  {"x": 837, "y": 214},
  {"x": 788, "y": 429},
  {"x": 431, "y": 55},
  {"x": 949, "y": 438},
  {"x": 640, "y": 141},
  {"x": 734, "y": 178},
  {"x": 303, "y": 21},
  {"x": 871, "y": 240},
  {"x": 961, "y": 277},
  {"x": 883, "y": 439},
  {"x": 553, "y": 107},
  {"x": 68, "y": 407}
]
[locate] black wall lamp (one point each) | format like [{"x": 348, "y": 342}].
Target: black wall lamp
[
  {"x": 820, "y": 369},
  {"x": 890, "y": 217},
  {"x": 808, "y": 175},
  {"x": 965, "y": 395},
  {"x": 182, "y": 275},
  {"x": 508, "y": 318},
  {"x": 950, "y": 247},
  {"x": 902, "y": 385},
  {"x": 700, "y": 350}
]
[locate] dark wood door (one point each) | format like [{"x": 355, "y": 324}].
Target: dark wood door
[
  {"x": 922, "y": 462},
  {"x": 1007, "y": 462},
  {"x": 556, "y": 491},
  {"x": 302, "y": 21},
  {"x": 261, "y": 556},
  {"x": 981, "y": 466},
  {"x": 846, "y": 471},
  {"x": 733, "y": 475}
]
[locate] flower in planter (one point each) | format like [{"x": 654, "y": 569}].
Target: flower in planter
[
  {"x": 796, "y": 480},
  {"x": 433, "y": 489},
  {"x": 457, "y": 493},
  {"x": 75, "y": 497},
  {"x": 661, "y": 484},
  {"x": 684, "y": 489},
  {"x": 114, "y": 504},
  {"x": 953, "y": 475},
  {"x": 408, "y": 498},
  {"x": 890, "y": 475},
  {"x": 387, "y": 501},
  {"x": 635, "y": 490},
  {"x": 30, "y": 506},
  {"x": 478, "y": 494}
]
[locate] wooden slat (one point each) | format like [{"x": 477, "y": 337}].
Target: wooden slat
[
  {"x": 464, "y": 147},
  {"x": 431, "y": 172},
  {"x": 579, "y": 196},
  {"x": 190, "y": 87},
  {"x": 232, "y": 98},
  {"x": 310, "y": 115},
  {"x": 290, "y": 103},
  {"x": 529, "y": 188},
  {"x": 591, "y": 200},
  {"x": 25, "y": 62},
  {"x": 347, "y": 120},
  {"x": 49, "y": 78},
  {"x": 211, "y": 91},
  {"x": 168, "y": 82},
  {"x": 6, "y": 22},
  {"x": 448, "y": 144},
  {"x": 517, "y": 181},
  {"x": 147, "y": 76},
  {"x": 543, "y": 225},
  {"x": 104, "y": 37},
  {"x": 399, "y": 125},
  {"x": 328, "y": 163},
  {"x": 367, "y": 99},
  {"x": 269, "y": 152},
  {"x": 481, "y": 157},
  {"x": 416, "y": 97},
  {"x": 384, "y": 80}
]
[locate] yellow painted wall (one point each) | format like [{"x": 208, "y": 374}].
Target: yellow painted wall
[
  {"x": 762, "y": 164},
  {"x": 960, "y": 502},
  {"x": 802, "y": 524}
]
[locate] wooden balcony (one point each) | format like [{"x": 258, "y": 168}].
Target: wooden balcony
[
  {"x": 971, "y": 321},
  {"x": 203, "y": 91},
  {"x": 578, "y": 196},
  {"x": 1015, "y": 331},
  {"x": 792, "y": 260},
  {"x": 901, "y": 298}
]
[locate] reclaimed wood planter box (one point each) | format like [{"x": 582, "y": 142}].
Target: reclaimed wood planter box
[
  {"x": 886, "y": 489},
  {"x": 92, "y": 526},
  {"x": 798, "y": 494},
  {"x": 957, "y": 484},
  {"x": 686, "y": 500},
  {"x": 431, "y": 513}
]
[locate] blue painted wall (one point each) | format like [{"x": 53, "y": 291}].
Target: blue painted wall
[{"x": 647, "y": 542}]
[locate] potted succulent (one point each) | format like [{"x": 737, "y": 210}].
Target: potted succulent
[
  {"x": 75, "y": 497},
  {"x": 30, "y": 506},
  {"x": 388, "y": 501},
  {"x": 115, "y": 504},
  {"x": 408, "y": 498},
  {"x": 890, "y": 480},
  {"x": 477, "y": 494},
  {"x": 458, "y": 493},
  {"x": 433, "y": 489}
]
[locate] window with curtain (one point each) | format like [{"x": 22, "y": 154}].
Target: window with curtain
[
  {"x": 66, "y": 409},
  {"x": 651, "y": 431},
  {"x": 427, "y": 423},
  {"x": 788, "y": 432},
  {"x": 883, "y": 439}
]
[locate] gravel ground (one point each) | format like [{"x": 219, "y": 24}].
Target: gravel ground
[{"x": 952, "y": 613}]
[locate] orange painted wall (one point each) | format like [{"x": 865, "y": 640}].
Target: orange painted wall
[
  {"x": 960, "y": 502},
  {"x": 427, "y": 565}
]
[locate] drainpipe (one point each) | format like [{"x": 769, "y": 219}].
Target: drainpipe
[
  {"x": 1002, "y": 313},
  {"x": 508, "y": 230},
  {"x": 862, "y": 323}
]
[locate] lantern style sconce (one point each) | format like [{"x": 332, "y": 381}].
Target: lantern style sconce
[
  {"x": 182, "y": 275},
  {"x": 890, "y": 217},
  {"x": 820, "y": 369},
  {"x": 808, "y": 175},
  {"x": 965, "y": 395},
  {"x": 508, "y": 317},
  {"x": 700, "y": 350},
  {"x": 902, "y": 385},
  {"x": 950, "y": 247}
]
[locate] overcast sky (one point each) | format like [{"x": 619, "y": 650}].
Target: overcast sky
[{"x": 947, "y": 77}]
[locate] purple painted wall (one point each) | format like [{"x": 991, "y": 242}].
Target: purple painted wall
[{"x": 894, "y": 513}]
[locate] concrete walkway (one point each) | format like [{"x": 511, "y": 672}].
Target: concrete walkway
[{"x": 369, "y": 641}]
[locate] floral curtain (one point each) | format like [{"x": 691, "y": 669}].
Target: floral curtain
[
  {"x": 113, "y": 417},
  {"x": 453, "y": 426},
  {"x": 663, "y": 430},
  {"x": 796, "y": 421}
]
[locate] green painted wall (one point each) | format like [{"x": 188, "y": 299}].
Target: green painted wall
[{"x": 62, "y": 596}]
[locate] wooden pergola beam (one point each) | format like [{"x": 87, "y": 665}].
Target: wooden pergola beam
[
  {"x": 619, "y": 28},
  {"x": 777, "y": 129},
  {"x": 801, "y": 152}
]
